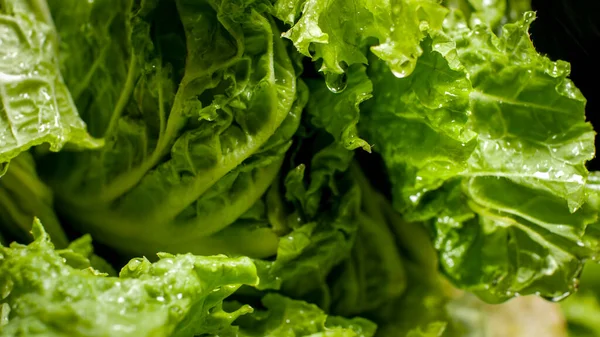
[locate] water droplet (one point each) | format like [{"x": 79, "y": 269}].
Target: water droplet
[
  {"x": 558, "y": 69},
  {"x": 336, "y": 82},
  {"x": 415, "y": 197},
  {"x": 528, "y": 17},
  {"x": 557, "y": 298},
  {"x": 575, "y": 285},
  {"x": 402, "y": 66}
]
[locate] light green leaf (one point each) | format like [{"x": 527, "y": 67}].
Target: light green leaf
[
  {"x": 321, "y": 226},
  {"x": 487, "y": 143},
  {"x": 339, "y": 116},
  {"x": 491, "y": 13},
  {"x": 35, "y": 105},
  {"x": 291, "y": 318},
  {"x": 198, "y": 116},
  {"x": 338, "y": 31},
  {"x": 46, "y": 294}
]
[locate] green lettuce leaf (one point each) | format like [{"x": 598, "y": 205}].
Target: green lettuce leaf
[
  {"x": 339, "y": 224},
  {"x": 341, "y": 115},
  {"x": 56, "y": 293},
  {"x": 338, "y": 32},
  {"x": 494, "y": 13},
  {"x": 48, "y": 292},
  {"x": 319, "y": 218},
  {"x": 287, "y": 317},
  {"x": 197, "y": 115},
  {"x": 486, "y": 142},
  {"x": 36, "y": 105}
]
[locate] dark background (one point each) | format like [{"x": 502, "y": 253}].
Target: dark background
[{"x": 570, "y": 30}]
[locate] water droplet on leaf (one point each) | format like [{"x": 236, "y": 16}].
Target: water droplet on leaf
[
  {"x": 559, "y": 69},
  {"x": 528, "y": 17},
  {"x": 557, "y": 298},
  {"x": 402, "y": 66},
  {"x": 336, "y": 83}
]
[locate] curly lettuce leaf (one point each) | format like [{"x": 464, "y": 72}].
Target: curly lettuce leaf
[
  {"x": 487, "y": 143},
  {"x": 198, "y": 115},
  {"x": 35, "y": 104},
  {"x": 341, "y": 115},
  {"x": 56, "y": 293},
  {"x": 492, "y": 13},
  {"x": 287, "y": 317},
  {"x": 318, "y": 228},
  {"x": 337, "y": 32},
  {"x": 338, "y": 226},
  {"x": 48, "y": 292}
]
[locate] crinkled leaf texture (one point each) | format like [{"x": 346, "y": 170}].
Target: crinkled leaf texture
[
  {"x": 338, "y": 31},
  {"x": 492, "y": 13},
  {"x": 339, "y": 224},
  {"x": 48, "y": 292},
  {"x": 486, "y": 143},
  {"x": 197, "y": 114},
  {"x": 35, "y": 104},
  {"x": 287, "y": 317}
]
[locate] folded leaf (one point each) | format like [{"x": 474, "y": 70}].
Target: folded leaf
[
  {"x": 56, "y": 293},
  {"x": 487, "y": 142},
  {"x": 198, "y": 115},
  {"x": 336, "y": 31},
  {"x": 287, "y": 317},
  {"x": 494, "y": 13},
  {"x": 36, "y": 105}
]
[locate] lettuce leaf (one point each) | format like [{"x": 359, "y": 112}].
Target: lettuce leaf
[
  {"x": 287, "y": 317},
  {"x": 326, "y": 258},
  {"x": 337, "y": 32},
  {"x": 494, "y": 13},
  {"x": 48, "y": 292},
  {"x": 215, "y": 145},
  {"x": 486, "y": 143},
  {"x": 503, "y": 181},
  {"x": 36, "y": 105},
  {"x": 43, "y": 295},
  {"x": 197, "y": 116}
]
